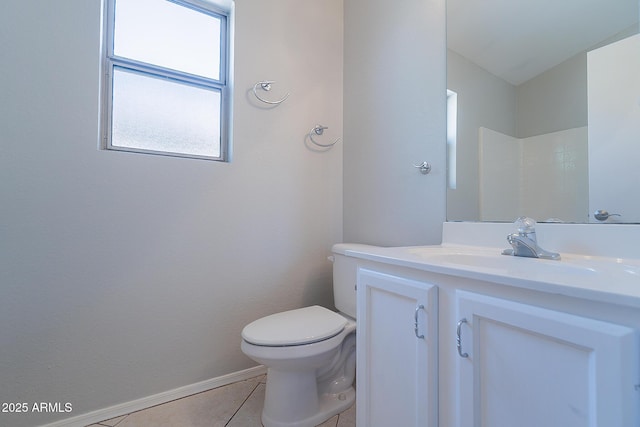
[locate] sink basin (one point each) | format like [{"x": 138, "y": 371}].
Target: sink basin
[
  {"x": 507, "y": 263},
  {"x": 585, "y": 276},
  {"x": 571, "y": 267}
]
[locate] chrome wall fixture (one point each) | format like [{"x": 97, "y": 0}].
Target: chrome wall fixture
[
  {"x": 424, "y": 167},
  {"x": 319, "y": 130},
  {"x": 265, "y": 85},
  {"x": 602, "y": 215}
]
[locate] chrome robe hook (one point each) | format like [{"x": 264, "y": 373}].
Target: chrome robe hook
[{"x": 266, "y": 86}]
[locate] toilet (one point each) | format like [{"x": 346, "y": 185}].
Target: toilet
[{"x": 310, "y": 354}]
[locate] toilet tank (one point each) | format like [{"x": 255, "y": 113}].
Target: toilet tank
[{"x": 345, "y": 274}]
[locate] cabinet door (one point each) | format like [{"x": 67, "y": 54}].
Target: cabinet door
[
  {"x": 527, "y": 366},
  {"x": 396, "y": 351}
]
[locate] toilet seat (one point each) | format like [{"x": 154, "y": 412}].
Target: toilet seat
[{"x": 294, "y": 327}]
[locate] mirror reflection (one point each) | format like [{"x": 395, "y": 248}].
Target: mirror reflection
[{"x": 543, "y": 110}]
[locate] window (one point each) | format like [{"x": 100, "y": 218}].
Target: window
[
  {"x": 166, "y": 78},
  {"x": 452, "y": 137}
]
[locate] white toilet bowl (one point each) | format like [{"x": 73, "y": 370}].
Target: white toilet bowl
[{"x": 310, "y": 356}]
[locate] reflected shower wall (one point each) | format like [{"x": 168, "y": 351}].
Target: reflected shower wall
[{"x": 544, "y": 177}]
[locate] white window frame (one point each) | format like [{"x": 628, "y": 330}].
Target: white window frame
[
  {"x": 223, "y": 84},
  {"x": 452, "y": 138}
]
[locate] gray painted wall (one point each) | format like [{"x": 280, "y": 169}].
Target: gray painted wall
[
  {"x": 483, "y": 100},
  {"x": 555, "y": 100},
  {"x": 125, "y": 275},
  {"x": 394, "y": 117}
]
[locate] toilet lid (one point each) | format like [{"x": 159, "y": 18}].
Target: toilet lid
[{"x": 294, "y": 327}]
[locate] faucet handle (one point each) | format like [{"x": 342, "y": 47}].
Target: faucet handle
[{"x": 525, "y": 225}]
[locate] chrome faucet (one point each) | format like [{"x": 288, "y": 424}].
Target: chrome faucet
[{"x": 524, "y": 242}]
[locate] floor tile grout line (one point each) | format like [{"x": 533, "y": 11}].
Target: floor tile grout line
[
  {"x": 123, "y": 418},
  {"x": 242, "y": 404},
  {"x": 101, "y": 423}
]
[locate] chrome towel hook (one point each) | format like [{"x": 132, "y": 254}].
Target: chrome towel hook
[
  {"x": 266, "y": 86},
  {"x": 319, "y": 130}
]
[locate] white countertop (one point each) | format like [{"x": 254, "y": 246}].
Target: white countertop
[{"x": 598, "y": 278}]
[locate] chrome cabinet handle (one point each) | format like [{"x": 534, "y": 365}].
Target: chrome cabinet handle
[
  {"x": 415, "y": 317},
  {"x": 459, "y": 340}
]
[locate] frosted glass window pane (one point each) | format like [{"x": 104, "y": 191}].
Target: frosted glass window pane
[
  {"x": 161, "y": 115},
  {"x": 162, "y": 33}
]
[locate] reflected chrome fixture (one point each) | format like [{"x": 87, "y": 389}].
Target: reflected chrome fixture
[
  {"x": 424, "y": 167},
  {"x": 266, "y": 86},
  {"x": 602, "y": 215},
  {"x": 524, "y": 242}
]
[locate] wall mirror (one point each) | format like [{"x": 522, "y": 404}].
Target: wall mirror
[{"x": 543, "y": 110}]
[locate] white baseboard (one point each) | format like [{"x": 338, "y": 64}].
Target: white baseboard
[{"x": 157, "y": 399}]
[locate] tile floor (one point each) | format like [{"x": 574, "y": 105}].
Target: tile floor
[{"x": 234, "y": 405}]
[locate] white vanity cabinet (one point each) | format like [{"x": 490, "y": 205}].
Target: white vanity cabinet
[
  {"x": 397, "y": 351},
  {"x": 527, "y": 366},
  {"x": 508, "y": 341}
]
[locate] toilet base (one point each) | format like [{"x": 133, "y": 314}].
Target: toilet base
[
  {"x": 329, "y": 405},
  {"x": 309, "y": 383}
]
